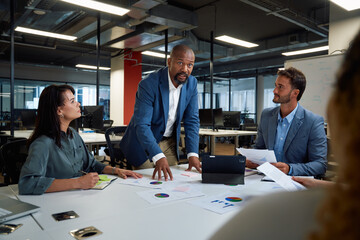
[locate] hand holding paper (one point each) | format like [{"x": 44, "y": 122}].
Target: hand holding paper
[
  {"x": 258, "y": 156},
  {"x": 279, "y": 177}
]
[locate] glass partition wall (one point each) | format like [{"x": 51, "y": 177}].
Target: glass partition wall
[
  {"x": 27, "y": 93},
  {"x": 269, "y": 84},
  {"x": 230, "y": 95}
]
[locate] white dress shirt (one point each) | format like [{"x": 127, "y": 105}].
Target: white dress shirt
[{"x": 174, "y": 95}]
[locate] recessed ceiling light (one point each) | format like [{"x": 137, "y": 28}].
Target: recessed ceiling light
[
  {"x": 99, "y": 6},
  {"x": 236, "y": 41},
  {"x": 154, "y": 54},
  {"x": 348, "y": 5},
  {"x": 91, "y": 67},
  {"x": 39, "y": 12},
  {"x": 44, "y": 33},
  {"x": 304, "y": 51}
]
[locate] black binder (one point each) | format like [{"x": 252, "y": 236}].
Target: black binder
[{"x": 223, "y": 169}]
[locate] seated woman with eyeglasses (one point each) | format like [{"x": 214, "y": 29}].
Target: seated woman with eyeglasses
[{"x": 58, "y": 157}]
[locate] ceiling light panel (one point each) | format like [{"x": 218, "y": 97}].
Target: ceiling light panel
[
  {"x": 91, "y": 67},
  {"x": 44, "y": 33},
  {"x": 236, "y": 41},
  {"x": 99, "y": 6},
  {"x": 154, "y": 54},
  {"x": 304, "y": 51}
]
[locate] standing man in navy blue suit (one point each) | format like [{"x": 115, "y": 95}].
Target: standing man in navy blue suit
[
  {"x": 296, "y": 135},
  {"x": 163, "y": 100}
]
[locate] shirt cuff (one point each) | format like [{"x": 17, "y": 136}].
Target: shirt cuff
[
  {"x": 192, "y": 154},
  {"x": 290, "y": 170},
  {"x": 157, "y": 157}
]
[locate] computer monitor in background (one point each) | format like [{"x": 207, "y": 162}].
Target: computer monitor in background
[
  {"x": 232, "y": 119},
  {"x": 28, "y": 118},
  {"x": 92, "y": 117},
  {"x": 206, "y": 117}
]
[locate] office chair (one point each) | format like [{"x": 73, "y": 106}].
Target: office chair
[
  {"x": 113, "y": 149},
  {"x": 13, "y": 155},
  {"x": 28, "y": 118},
  {"x": 247, "y": 141},
  {"x": 107, "y": 124}
]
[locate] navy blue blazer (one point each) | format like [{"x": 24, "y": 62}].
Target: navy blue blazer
[
  {"x": 305, "y": 147},
  {"x": 147, "y": 125}
]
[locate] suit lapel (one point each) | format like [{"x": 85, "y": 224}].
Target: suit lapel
[
  {"x": 272, "y": 129},
  {"x": 164, "y": 91},
  {"x": 294, "y": 128}
]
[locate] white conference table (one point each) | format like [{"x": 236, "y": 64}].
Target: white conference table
[
  {"x": 224, "y": 133},
  {"x": 120, "y": 213}
]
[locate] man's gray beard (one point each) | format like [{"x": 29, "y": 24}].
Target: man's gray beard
[{"x": 179, "y": 82}]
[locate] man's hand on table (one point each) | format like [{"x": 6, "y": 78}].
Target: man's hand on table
[
  {"x": 194, "y": 162},
  {"x": 162, "y": 165}
]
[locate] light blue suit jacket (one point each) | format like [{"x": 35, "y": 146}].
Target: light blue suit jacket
[
  {"x": 147, "y": 125},
  {"x": 305, "y": 147}
]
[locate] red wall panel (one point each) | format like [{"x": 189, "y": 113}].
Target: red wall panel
[{"x": 132, "y": 77}]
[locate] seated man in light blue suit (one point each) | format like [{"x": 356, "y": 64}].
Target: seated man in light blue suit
[
  {"x": 296, "y": 135},
  {"x": 163, "y": 100}
]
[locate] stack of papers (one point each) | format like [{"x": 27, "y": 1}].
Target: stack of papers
[{"x": 258, "y": 156}]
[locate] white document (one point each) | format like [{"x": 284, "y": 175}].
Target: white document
[
  {"x": 143, "y": 182},
  {"x": 279, "y": 177},
  {"x": 170, "y": 193},
  {"x": 147, "y": 182},
  {"x": 222, "y": 203},
  {"x": 258, "y": 156}
]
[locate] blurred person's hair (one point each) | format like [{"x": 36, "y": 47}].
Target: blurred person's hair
[{"x": 339, "y": 216}]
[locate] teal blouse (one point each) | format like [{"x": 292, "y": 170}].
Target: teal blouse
[{"x": 46, "y": 162}]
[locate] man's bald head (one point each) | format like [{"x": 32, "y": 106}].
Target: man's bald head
[{"x": 178, "y": 49}]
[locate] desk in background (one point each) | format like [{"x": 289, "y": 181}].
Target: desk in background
[
  {"x": 120, "y": 213},
  {"x": 224, "y": 133},
  {"x": 92, "y": 140}
]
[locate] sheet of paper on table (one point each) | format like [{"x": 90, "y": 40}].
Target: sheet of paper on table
[
  {"x": 170, "y": 193},
  {"x": 222, "y": 203}
]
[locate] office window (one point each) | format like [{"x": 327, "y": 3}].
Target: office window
[
  {"x": 85, "y": 94},
  {"x": 204, "y": 94},
  {"x": 243, "y": 96},
  {"x": 220, "y": 94},
  {"x": 201, "y": 94},
  {"x": 269, "y": 84},
  {"x": 27, "y": 93}
]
